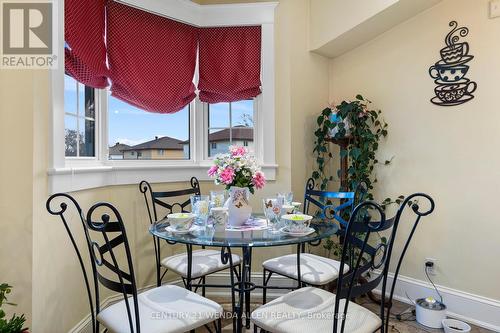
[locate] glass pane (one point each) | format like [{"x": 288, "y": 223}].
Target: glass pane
[
  {"x": 137, "y": 134},
  {"x": 218, "y": 141},
  {"x": 242, "y": 119},
  {"x": 87, "y": 137},
  {"x": 218, "y": 115},
  {"x": 70, "y": 94},
  {"x": 70, "y": 136},
  {"x": 87, "y": 101},
  {"x": 242, "y": 113}
]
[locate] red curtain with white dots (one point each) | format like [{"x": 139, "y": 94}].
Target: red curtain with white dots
[
  {"x": 229, "y": 63},
  {"x": 151, "y": 59},
  {"x": 85, "y": 51}
]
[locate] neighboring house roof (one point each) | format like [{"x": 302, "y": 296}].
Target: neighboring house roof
[
  {"x": 239, "y": 133},
  {"x": 118, "y": 148},
  {"x": 164, "y": 142}
]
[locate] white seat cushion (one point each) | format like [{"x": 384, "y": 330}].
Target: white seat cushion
[
  {"x": 166, "y": 309},
  {"x": 312, "y": 310},
  {"x": 204, "y": 262},
  {"x": 315, "y": 270}
]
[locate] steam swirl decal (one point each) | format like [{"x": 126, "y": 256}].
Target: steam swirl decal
[{"x": 453, "y": 88}]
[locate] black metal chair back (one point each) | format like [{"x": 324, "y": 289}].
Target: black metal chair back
[
  {"x": 322, "y": 199},
  {"x": 363, "y": 255},
  {"x": 166, "y": 200},
  {"x": 106, "y": 240}
]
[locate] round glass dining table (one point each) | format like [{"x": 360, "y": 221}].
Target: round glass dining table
[{"x": 246, "y": 239}]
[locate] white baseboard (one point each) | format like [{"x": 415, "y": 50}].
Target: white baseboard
[{"x": 480, "y": 311}]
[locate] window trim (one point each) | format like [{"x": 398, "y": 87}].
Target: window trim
[{"x": 70, "y": 174}]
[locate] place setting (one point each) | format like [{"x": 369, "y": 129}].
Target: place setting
[{"x": 281, "y": 215}]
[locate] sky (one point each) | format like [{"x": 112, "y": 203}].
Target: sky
[{"x": 130, "y": 125}]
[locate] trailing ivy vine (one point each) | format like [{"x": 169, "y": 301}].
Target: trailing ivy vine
[{"x": 363, "y": 127}]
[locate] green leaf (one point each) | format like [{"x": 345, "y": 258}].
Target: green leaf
[
  {"x": 355, "y": 153},
  {"x": 359, "y": 97}
]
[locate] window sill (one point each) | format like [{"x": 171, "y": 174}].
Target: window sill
[{"x": 77, "y": 178}]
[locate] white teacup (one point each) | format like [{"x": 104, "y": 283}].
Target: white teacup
[
  {"x": 220, "y": 216},
  {"x": 181, "y": 221},
  {"x": 297, "y": 222},
  {"x": 287, "y": 209}
]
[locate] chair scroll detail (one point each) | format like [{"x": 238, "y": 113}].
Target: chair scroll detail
[
  {"x": 61, "y": 211},
  {"x": 321, "y": 199},
  {"x": 412, "y": 201}
]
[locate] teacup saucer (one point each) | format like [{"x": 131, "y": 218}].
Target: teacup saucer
[
  {"x": 463, "y": 60},
  {"x": 179, "y": 232},
  {"x": 441, "y": 82},
  {"x": 308, "y": 231},
  {"x": 463, "y": 99}
]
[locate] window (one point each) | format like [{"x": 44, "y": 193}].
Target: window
[
  {"x": 79, "y": 119},
  {"x": 92, "y": 126},
  {"x": 230, "y": 124},
  {"x": 157, "y": 135}
]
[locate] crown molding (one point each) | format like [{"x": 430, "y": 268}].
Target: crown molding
[{"x": 208, "y": 15}]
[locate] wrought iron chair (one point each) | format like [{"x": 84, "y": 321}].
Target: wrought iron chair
[
  {"x": 204, "y": 261},
  {"x": 163, "y": 309},
  {"x": 320, "y": 199},
  {"x": 308, "y": 268},
  {"x": 308, "y": 307}
]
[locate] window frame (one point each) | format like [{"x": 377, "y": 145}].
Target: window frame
[{"x": 77, "y": 173}]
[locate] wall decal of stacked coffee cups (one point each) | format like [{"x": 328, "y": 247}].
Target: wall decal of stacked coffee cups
[{"x": 453, "y": 88}]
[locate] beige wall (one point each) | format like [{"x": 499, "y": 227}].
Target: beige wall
[
  {"x": 332, "y": 18},
  {"x": 448, "y": 152},
  {"x": 16, "y": 189},
  {"x": 35, "y": 253},
  {"x": 306, "y": 81}
]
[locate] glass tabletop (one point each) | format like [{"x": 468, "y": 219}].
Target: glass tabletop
[{"x": 242, "y": 238}]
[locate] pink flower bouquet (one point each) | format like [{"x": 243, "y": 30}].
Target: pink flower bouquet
[{"x": 237, "y": 168}]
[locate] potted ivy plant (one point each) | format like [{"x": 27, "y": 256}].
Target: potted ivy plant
[
  {"x": 15, "y": 323},
  {"x": 363, "y": 128}
]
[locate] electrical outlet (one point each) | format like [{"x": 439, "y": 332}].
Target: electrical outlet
[
  {"x": 430, "y": 265},
  {"x": 494, "y": 8}
]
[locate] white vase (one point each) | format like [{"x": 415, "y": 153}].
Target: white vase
[{"x": 238, "y": 205}]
